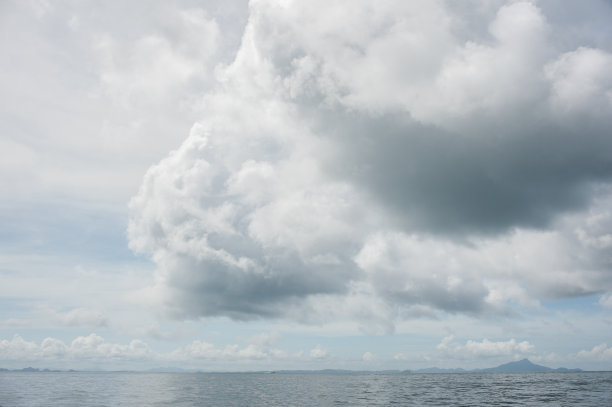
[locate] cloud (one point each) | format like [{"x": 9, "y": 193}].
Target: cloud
[
  {"x": 606, "y": 301},
  {"x": 127, "y": 83},
  {"x": 485, "y": 348},
  {"x": 15, "y": 323},
  {"x": 154, "y": 331},
  {"x": 599, "y": 353},
  {"x": 368, "y": 357},
  {"x": 82, "y": 317},
  {"x": 85, "y": 350},
  {"x": 391, "y": 157},
  {"x": 92, "y": 347},
  {"x": 318, "y": 352},
  {"x": 581, "y": 82},
  {"x": 95, "y": 347},
  {"x": 400, "y": 356},
  {"x": 257, "y": 348},
  {"x": 156, "y": 68},
  {"x": 407, "y": 270},
  {"x": 198, "y": 350}
]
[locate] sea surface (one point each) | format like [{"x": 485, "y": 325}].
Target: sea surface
[{"x": 304, "y": 389}]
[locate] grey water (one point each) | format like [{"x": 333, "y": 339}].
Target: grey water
[{"x": 304, "y": 389}]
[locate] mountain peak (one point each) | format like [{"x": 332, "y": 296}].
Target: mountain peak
[{"x": 523, "y": 365}]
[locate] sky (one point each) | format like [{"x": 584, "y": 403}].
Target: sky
[{"x": 278, "y": 184}]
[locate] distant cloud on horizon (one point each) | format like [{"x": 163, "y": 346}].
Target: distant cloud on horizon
[{"x": 84, "y": 350}]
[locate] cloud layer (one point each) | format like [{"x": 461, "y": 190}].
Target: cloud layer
[
  {"x": 486, "y": 348},
  {"x": 93, "y": 350},
  {"x": 387, "y": 160}
]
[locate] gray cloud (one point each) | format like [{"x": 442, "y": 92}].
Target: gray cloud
[
  {"x": 82, "y": 317},
  {"x": 438, "y": 181},
  {"x": 394, "y": 158}
]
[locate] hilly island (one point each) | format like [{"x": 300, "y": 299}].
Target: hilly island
[{"x": 521, "y": 366}]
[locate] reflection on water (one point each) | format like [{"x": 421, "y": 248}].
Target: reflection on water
[{"x": 316, "y": 389}]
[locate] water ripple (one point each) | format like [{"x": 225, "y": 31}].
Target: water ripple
[{"x": 304, "y": 390}]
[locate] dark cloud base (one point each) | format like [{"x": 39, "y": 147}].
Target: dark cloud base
[{"x": 454, "y": 184}]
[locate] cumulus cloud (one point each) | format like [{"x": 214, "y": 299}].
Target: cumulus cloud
[
  {"x": 258, "y": 347},
  {"x": 389, "y": 156},
  {"x": 92, "y": 347},
  {"x": 198, "y": 350},
  {"x": 485, "y": 348},
  {"x": 318, "y": 352},
  {"x": 95, "y": 349},
  {"x": 599, "y": 353},
  {"x": 581, "y": 82}
]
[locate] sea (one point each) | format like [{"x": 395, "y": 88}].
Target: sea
[{"x": 125, "y": 389}]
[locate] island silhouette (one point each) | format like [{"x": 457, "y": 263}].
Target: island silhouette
[{"x": 521, "y": 366}]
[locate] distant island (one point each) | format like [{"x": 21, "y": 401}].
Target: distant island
[
  {"x": 35, "y": 370},
  {"x": 521, "y": 366}
]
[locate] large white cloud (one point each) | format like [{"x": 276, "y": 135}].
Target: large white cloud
[{"x": 383, "y": 157}]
